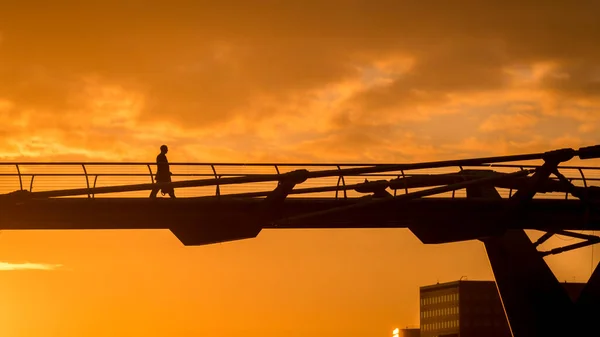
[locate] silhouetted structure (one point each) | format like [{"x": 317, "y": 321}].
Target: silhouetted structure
[
  {"x": 534, "y": 301},
  {"x": 163, "y": 173},
  {"x": 468, "y": 309}
]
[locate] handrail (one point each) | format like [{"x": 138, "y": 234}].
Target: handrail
[
  {"x": 208, "y": 164},
  {"x": 340, "y": 187},
  {"x": 218, "y": 175}
]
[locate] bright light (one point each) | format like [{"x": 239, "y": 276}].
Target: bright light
[{"x": 396, "y": 332}]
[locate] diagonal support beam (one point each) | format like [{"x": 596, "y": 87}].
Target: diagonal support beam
[
  {"x": 405, "y": 197},
  {"x": 586, "y": 307},
  {"x": 534, "y": 301},
  {"x": 543, "y": 238}
]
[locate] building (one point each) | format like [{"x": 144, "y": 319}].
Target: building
[
  {"x": 467, "y": 309},
  {"x": 410, "y": 333}
]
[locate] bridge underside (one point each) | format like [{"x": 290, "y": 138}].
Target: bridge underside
[
  {"x": 211, "y": 220},
  {"x": 433, "y": 213}
]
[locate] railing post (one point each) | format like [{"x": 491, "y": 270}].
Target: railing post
[
  {"x": 567, "y": 193},
  {"x": 20, "y": 178},
  {"x": 87, "y": 181},
  {"x": 454, "y": 191},
  {"x": 151, "y": 175},
  {"x": 343, "y": 184},
  {"x": 31, "y": 183},
  {"x": 510, "y": 191},
  {"x": 405, "y": 183},
  {"x": 583, "y": 177},
  {"x": 218, "y": 189},
  {"x": 395, "y": 189}
]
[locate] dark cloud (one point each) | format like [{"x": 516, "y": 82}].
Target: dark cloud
[
  {"x": 202, "y": 64},
  {"x": 575, "y": 79}
]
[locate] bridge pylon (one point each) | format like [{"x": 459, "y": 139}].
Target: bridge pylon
[{"x": 535, "y": 302}]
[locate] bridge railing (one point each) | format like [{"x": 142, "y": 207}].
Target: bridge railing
[{"x": 43, "y": 176}]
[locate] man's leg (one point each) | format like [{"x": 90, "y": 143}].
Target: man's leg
[
  {"x": 172, "y": 192},
  {"x": 153, "y": 193}
]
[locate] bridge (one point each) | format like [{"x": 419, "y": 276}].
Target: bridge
[{"x": 491, "y": 199}]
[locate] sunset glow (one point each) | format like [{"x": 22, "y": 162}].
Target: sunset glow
[{"x": 306, "y": 81}]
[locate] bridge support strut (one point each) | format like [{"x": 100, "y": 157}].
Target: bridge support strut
[{"x": 535, "y": 302}]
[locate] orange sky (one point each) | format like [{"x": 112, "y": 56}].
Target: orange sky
[{"x": 317, "y": 81}]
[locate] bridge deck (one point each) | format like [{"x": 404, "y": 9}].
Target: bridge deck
[
  {"x": 143, "y": 213},
  {"x": 223, "y": 202}
]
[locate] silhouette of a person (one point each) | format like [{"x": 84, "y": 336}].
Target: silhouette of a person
[{"x": 163, "y": 173}]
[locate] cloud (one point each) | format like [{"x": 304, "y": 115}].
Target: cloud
[
  {"x": 106, "y": 82},
  {"x": 8, "y": 266},
  {"x": 509, "y": 122}
]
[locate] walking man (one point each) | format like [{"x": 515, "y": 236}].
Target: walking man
[{"x": 163, "y": 173}]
